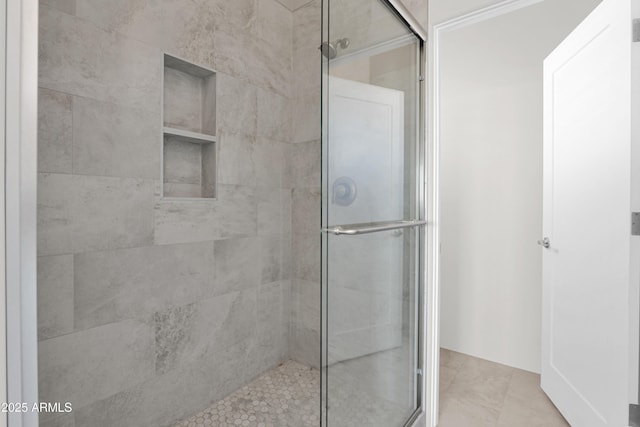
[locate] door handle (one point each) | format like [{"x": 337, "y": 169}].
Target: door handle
[
  {"x": 545, "y": 243},
  {"x": 355, "y": 229}
]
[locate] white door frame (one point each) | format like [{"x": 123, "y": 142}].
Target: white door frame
[
  {"x": 3, "y": 323},
  {"x": 20, "y": 132},
  {"x": 433, "y": 184}
]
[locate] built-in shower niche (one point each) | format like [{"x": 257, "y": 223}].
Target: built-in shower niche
[{"x": 189, "y": 130}]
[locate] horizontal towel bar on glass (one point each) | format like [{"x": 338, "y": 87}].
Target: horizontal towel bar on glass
[{"x": 355, "y": 229}]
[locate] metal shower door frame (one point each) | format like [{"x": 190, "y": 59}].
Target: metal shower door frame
[{"x": 427, "y": 340}]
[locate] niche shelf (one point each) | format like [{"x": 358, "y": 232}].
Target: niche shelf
[{"x": 189, "y": 149}]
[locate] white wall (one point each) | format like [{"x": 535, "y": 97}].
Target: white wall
[{"x": 491, "y": 182}]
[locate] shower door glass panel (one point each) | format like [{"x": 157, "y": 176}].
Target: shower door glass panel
[{"x": 372, "y": 239}]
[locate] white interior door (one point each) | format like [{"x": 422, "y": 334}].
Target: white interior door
[
  {"x": 588, "y": 267},
  {"x": 366, "y": 184}
]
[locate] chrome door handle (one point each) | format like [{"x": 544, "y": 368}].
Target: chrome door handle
[
  {"x": 355, "y": 229},
  {"x": 545, "y": 243}
]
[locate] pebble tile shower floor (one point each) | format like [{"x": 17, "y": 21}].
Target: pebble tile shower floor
[{"x": 287, "y": 396}]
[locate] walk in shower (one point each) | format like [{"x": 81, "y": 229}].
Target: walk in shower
[{"x": 230, "y": 213}]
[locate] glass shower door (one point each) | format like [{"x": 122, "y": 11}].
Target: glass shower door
[{"x": 372, "y": 216}]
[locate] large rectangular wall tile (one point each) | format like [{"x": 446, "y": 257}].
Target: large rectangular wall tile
[
  {"x": 305, "y": 296},
  {"x": 55, "y": 137},
  {"x": 236, "y": 105},
  {"x": 114, "y": 140},
  {"x": 237, "y": 264},
  {"x": 273, "y": 324},
  {"x": 78, "y": 58},
  {"x": 307, "y": 37},
  {"x": 66, "y": 6},
  {"x": 232, "y": 51},
  {"x": 300, "y": 3},
  {"x": 175, "y": 395},
  {"x": 269, "y": 162},
  {"x": 49, "y": 419},
  {"x": 271, "y": 258},
  {"x": 110, "y": 18},
  {"x": 176, "y": 27},
  {"x": 180, "y": 222},
  {"x": 305, "y": 346},
  {"x": 233, "y": 214},
  {"x": 287, "y": 210},
  {"x": 274, "y": 24},
  {"x": 270, "y": 211},
  {"x": 272, "y": 70},
  {"x": 287, "y": 180},
  {"x": 238, "y": 16},
  {"x": 157, "y": 402},
  {"x": 90, "y": 365},
  {"x": 307, "y": 61},
  {"x": 55, "y": 296},
  {"x": 208, "y": 352},
  {"x": 175, "y": 337},
  {"x": 306, "y": 256},
  {"x": 287, "y": 257},
  {"x": 304, "y": 342},
  {"x": 240, "y": 53},
  {"x": 234, "y": 54},
  {"x": 192, "y": 333},
  {"x": 274, "y": 116},
  {"x": 236, "y": 165},
  {"x": 130, "y": 283},
  {"x": 287, "y": 3},
  {"x": 84, "y": 213},
  {"x": 274, "y": 33},
  {"x": 306, "y": 116},
  {"x": 305, "y": 210},
  {"x": 305, "y": 164}
]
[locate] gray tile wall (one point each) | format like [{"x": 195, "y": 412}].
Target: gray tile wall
[
  {"x": 304, "y": 162},
  {"x": 151, "y": 309}
]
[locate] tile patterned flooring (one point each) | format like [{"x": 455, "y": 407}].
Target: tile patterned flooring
[
  {"x": 479, "y": 393},
  {"x": 473, "y": 393},
  {"x": 286, "y": 396}
]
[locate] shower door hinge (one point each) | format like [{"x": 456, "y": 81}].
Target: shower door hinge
[
  {"x": 636, "y": 30},
  {"x": 634, "y": 415},
  {"x": 419, "y": 371},
  {"x": 421, "y": 78}
]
